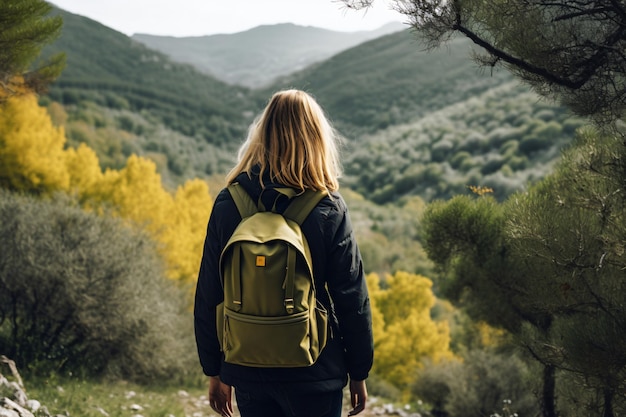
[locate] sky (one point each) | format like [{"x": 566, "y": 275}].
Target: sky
[{"x": 208, "y": 17}]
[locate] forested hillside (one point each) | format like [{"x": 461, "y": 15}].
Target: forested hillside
[
  {"x": 417, "y": 123},
  {"x": 392, "y": 80},
  {"x": 110, "y": 69},
  {"x": 256, "y": 57},
  {"x": 504, "y": 139},
  {"x": 430, "y": 123}
]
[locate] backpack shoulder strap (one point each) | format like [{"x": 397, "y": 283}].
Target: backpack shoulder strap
[
  {"x": 243, "y": 201},
  {"x": 303, "y": 204}
]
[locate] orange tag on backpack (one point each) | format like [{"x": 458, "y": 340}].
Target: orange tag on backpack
[{"x": 260, "y": 260}]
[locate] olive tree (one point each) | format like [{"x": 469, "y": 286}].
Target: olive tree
[{"x": 85, "y": 293}]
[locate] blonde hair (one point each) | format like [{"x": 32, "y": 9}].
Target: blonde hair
[{"x": 294, "y": 142}]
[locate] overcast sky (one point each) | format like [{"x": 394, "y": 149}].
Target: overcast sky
[{"x": 207, "y": 17}]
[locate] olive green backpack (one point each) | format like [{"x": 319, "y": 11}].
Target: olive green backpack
[{"x": 270, "y": 316}]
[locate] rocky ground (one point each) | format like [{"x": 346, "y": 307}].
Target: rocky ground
[
  {"x": 15, "y": 403},
  {"x": 199, "y": 407}
]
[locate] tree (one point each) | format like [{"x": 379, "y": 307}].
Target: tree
[
  {"x": 569, "y": 232},
  {"x": 569, "y": 50},
  {"x": 404, "y": 332},
  {"x": 24, "y": 30},
  {"x": 466, "y": 238},
  {"x": 84, "y": 293},
  {"x": 32, "y": 157},
  {"x": 548, "y": 265}
]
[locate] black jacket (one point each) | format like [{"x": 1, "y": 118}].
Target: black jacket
[{"x": 337, "y": 266}]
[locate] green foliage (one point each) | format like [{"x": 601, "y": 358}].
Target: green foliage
[
  {"x": 475, "y": 141},
  {"x": 548, "y": 265},
  {"x": 113, "y": 71},
  {"x": 388, "y": 236},
  {"x": 379, "y": 387},
  {"x": 83, "y": 293},
  {"x": 570, "y": 231},
  {"x": 436, "y": 125},
  {"x": 24, "y": 30},
  {"x": 478, "y": 386},
  {"x": 464, "y": 238},
  {"x": 116, "y": 133}
]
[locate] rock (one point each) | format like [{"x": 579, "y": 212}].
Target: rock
[
  {"x": 8, "y": 413},
  {"x": 33, "y": 405},
  {"x": 136, "y": 407},
  {"x": 13, "y": 399},
  {"x": 43, "y": 412},
  {"x": 102, "y": 411},
  {"x": 14, "y": 392},
  {"x": 12, "y": 405}
]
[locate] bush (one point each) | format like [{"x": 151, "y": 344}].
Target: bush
[
  {"x": 531, "y": 144},
  {"x": 378, "y": 387},
  {"x": 477, "y": 386},
  {"x": 86, "y": 294},
  {"x": 459, "y": 159}
]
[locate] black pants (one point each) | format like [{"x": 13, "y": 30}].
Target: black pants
[{"x": 279, "y": 400}]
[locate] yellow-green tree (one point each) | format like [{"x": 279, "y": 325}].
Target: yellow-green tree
[
  {"x": 31, "y": 148},
  {"x": 33, "y": 158},
  {"x": 404, "y": 332}
]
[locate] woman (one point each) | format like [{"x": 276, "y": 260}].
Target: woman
[{"x": 291, "y": 145}]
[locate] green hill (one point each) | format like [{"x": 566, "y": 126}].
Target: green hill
[
  {"x": 503, "y": 139},
  {"x": 418, "y": 123},
  {"x": 108, "y": 68},
  {"x": 392, "y": 80},
  {"x": 257, "y": 56},
  {"x": 430, "y": 123}
]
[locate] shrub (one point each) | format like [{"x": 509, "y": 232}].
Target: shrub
[
  {"x": 492, "y": 165},
  {"x": 86, "y": 294},
  {"x": 378, "y": 387},
  {"x": 459, "y": 158},
  {"x": 531, "y": 144},
  {"x": 478, "y": 386}
]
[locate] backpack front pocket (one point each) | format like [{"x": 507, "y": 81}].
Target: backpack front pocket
[{"x": 261, "y": 341}]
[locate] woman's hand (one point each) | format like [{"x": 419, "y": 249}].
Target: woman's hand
[
  {"x": 220, "y": 397},
  {"x": 358, "y": 397}
]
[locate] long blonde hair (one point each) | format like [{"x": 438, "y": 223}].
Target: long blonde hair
[{"x": 294, "y": 141}]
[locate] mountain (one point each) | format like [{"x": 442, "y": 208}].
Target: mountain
[
  {"x": 109, "y": 68},
  {"x": 429, "y": 123},
  {"x": 392, "y": 80},
  {"x": 417, "y": 123},
  {"x": 256, "y": 57}
]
